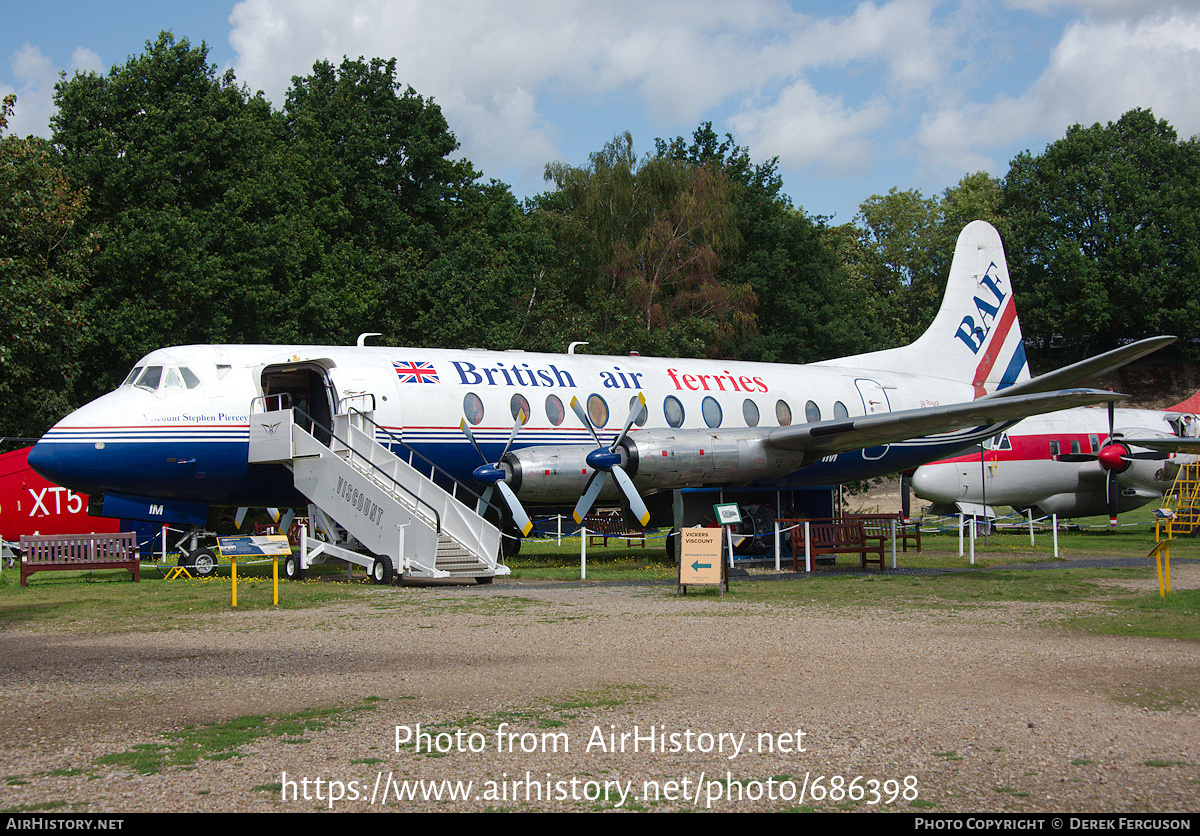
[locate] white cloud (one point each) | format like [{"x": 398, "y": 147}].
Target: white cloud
[
  {"x": 85, "y": 60},
  {"x": 34, "y": 76},
  {"x": 1103, "y": 69},
  {"x": 806, "y": 129},
  {"x": 497, "y": 69},
  {"x": 1100, "y": 69}
]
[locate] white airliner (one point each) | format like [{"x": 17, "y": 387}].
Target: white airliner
[
  {"x": 179, "y": 435},
  {"x": 1075, "y": 463}
]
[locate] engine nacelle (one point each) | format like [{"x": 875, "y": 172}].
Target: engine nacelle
[
  {"x": 550, "y": 474},
  {"x": 656, "y": 460},
  {"x": 667, "y": 459}
]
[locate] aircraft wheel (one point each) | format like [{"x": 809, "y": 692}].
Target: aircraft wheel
[
  {"x": 202, "y": 563},
  {"x": 381, "y": 570},
  {"x": 291, "y": 568}
]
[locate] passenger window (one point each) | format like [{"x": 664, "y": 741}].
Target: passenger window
[
  {"x": 642, "y": 414},
  {"x": 812, "y": 412},
  {"x": 783, "y": 413},
  {"x": 711, "y": 410},
  {"x": 472, "y": 408},
  {"x": 555, "y": 410},
  {"x": 517, "y": 405},
  {"x": 839, "y": 410},
  {"x": 750, "y": 412},
  {"x": 1054, "y": 448},
  {"x": 673, "y": 411},
  {"x": 597, "y": 410}
]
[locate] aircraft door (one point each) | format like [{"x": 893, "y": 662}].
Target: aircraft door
[
  {"x": 874, "y": 400},
  {"x": 305, "y": 386}
]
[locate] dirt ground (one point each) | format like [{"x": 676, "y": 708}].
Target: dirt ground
[{"x": 609, "y": 696}]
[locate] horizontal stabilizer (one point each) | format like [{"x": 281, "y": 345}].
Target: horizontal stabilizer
[
  {"x": 1078, "y": 373},
  {"x": 839, "y": 436}
]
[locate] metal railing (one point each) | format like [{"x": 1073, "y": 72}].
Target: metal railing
[
  {"x": 434, "y": 468},
  {"x": 437, "y": 517}
]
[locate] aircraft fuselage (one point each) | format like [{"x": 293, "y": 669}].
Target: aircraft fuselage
[{"x": 189, "y": 443}]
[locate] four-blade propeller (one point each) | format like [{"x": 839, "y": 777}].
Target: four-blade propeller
[
  {"x": 493, "y": 476},
  {"x": 1116, "y": 457},
  {"x": 604, "y": 460}
]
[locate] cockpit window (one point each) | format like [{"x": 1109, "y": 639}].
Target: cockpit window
[
  {"x": 151, "y": 377},
  {"x": 167, "y": 377}
]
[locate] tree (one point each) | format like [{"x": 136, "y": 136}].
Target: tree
[
  {"x": 43, "y": 258},
  {"x": 193, "y": 199},
  {"x": 652, "y": 233},
  {"x": 901, "y": 247},
  {"x": 387, "y": 149},
  {"x": 808, "y": 307},
  {"x": 1104, "y": 235}
]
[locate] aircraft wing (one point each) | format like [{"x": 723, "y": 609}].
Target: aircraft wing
[
  {"x": 1164, "y": 445},
  {"x": 1077, "y": 373},
  {"x": 841, "y": 435}
]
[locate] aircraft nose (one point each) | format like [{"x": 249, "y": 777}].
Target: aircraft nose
[
  {"x": 935, "y": 483},
  {"x": 43, "y": 458}
]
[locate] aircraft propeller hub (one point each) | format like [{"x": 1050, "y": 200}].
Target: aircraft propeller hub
[
  {"x": 1112, "y": 458},
  {"x": 603, "y": 459},
  {"x": 489, "y": 474}
]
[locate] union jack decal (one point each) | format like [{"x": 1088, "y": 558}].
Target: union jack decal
[{"x": 416, "y": 372}]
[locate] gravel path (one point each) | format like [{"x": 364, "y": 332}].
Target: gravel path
[{"x": 982, "y": 709}]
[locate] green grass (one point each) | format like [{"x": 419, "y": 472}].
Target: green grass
[
  {"x": 224, "y": 740},
  {"x": 107, "y": 602}
]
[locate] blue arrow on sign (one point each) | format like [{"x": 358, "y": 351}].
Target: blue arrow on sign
[{"x": 697, "y": 566}]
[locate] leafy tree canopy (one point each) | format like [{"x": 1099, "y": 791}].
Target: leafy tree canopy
[
  {"x": 1103, "y": 236},
  {"x": 43, "y": 257}
]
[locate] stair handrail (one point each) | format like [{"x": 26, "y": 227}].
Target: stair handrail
[
  {"x": 433, "y": 466},
  {"x": 437, "y": 517}
]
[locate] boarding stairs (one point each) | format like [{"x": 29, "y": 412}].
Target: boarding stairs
[
  {"x": 1186, "y": 494},
  {"x": 373, "y": 508}
]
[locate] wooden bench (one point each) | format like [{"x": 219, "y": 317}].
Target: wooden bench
[
  {"x": 50, "y": 553},
  {"x": 880, "y": 525},
  {"x": 835, "y": 537},
  {"x": 605, "y": 524}
]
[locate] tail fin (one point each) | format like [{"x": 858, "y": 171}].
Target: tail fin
[
  {"x": 1191, "y": 404},
  {"x": 975, "y": 337}
]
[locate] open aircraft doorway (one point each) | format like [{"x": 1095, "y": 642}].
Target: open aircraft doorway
[{"x": 305, "y": 386}]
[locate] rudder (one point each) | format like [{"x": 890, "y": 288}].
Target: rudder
[{"x": 976, "y": 335}]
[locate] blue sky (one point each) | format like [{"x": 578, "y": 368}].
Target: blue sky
[{"x": 853, "y": 99}]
